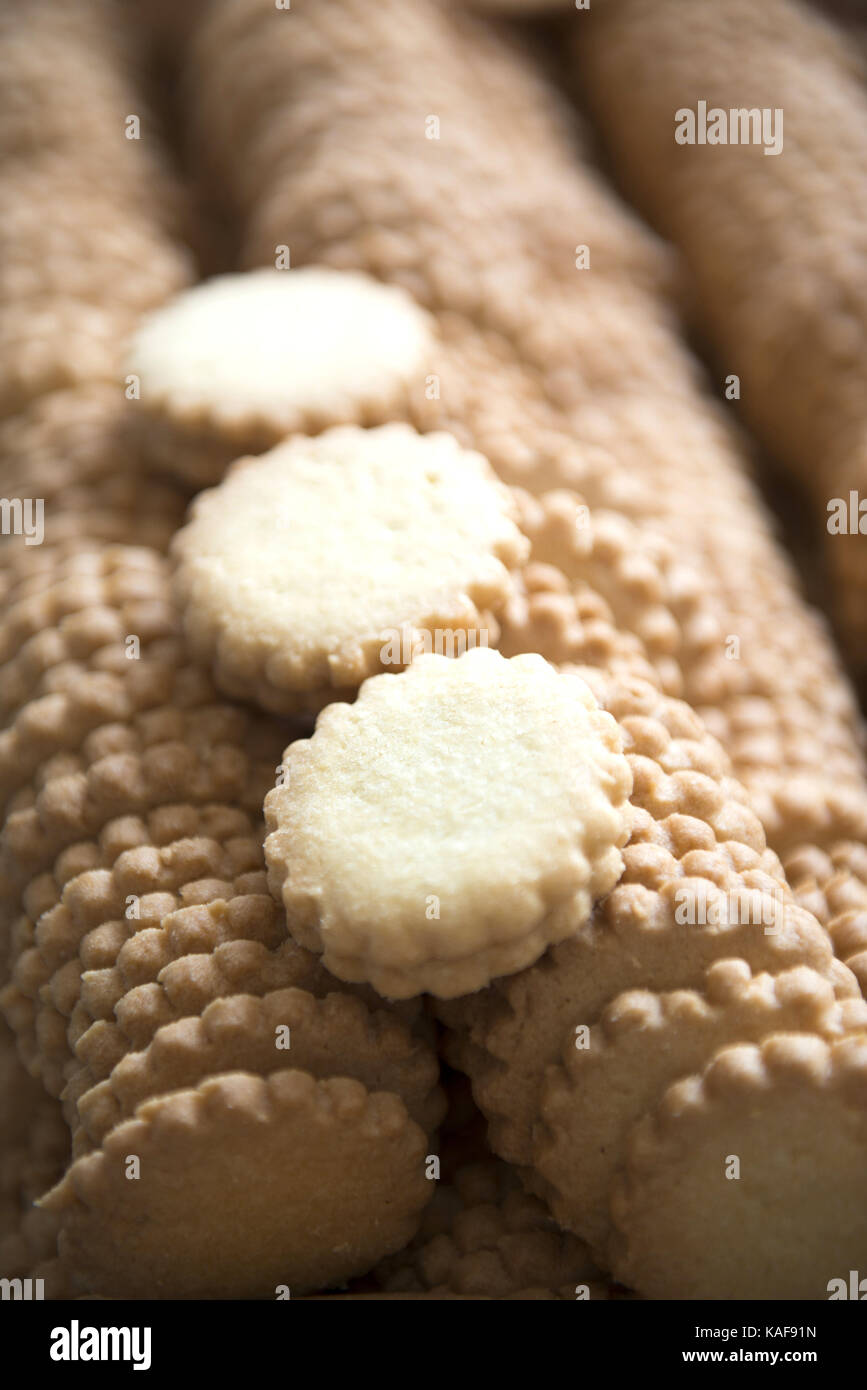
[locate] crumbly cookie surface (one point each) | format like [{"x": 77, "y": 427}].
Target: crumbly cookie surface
[
  {"x": 272, "y": 351},
  {"x": 327, "y": 559},
  {"x": 450, "y": 824}
]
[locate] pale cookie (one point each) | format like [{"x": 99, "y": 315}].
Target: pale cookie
[
  {"x": 234, "y": 365},
  {"x": 317, "y": 565},
  {"x": 450, "y": 824},
  {"x": 321, "y": 1180},
  {"x": 617, "y": 1070},
  {"x": 792, "y": 1114}
]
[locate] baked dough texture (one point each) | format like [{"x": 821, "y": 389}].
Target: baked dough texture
[
  {"x": 328, "y": 559},
  {"x": 238, "y": 362},
  {"x": 451, "y": 824}
]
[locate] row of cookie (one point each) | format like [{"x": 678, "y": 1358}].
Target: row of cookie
[
  {"x": 90, "y": 209},
  {"x": 408, "y": 495},
  {"x": 125, "y": 882},
  {"x": 631, "y": 1064},
  {"x": 774, "y": 246},
  {"x": 632, "y": 429}
]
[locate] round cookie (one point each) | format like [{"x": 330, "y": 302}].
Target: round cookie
[
  {"x": 792, "y": 1218},
  {"x": 324, "y": 561},
  {"x": 234, "y": 365},
  {"x": 450, "y": 824},
  {"x": 319, "y": 1180},
  {"x": 644, "y": 1042}
]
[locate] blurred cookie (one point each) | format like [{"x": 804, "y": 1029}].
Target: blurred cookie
[
  {"x": 328, "y": 559},
  {"x": 234, "y": 365}
]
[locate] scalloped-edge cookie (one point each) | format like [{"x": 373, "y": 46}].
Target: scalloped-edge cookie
[
  {"x": 185, "y": 987},
  {"x": 642, "y": 1043},
  {"x": 245, "y": 1183},
  {"x": 329, "y": 559},
  {"x": 234, "y": 365},
  {"x": 790, "y": 1215},
  {"x": 451, "y": 824},
  {"x": 334, "y": 1036}
]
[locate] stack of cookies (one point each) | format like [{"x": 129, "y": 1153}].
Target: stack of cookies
[{"x": 383, "y": 916}]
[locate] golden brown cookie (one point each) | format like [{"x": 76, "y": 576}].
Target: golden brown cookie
[
  {"x": 321, "y": 1177},
  {"x": 642, "y": 1043},
  {"x": 749, "y": 1146},
  {"x": 334, "y": 1036}
]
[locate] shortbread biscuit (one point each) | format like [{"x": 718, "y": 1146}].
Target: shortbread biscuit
[
  {"x": 322, "y": 1180},
  {"x": 92, "y": 335},
  {"x": 76, "y": 450},
  {"x": 642, "y": 1043},
  {"x": 335, "y": 1036},
  {"x": 791, "y": 1113},
  {"x": 234, "y": 365},
  {"x": 241, "y": 912},
  {"x": 68, "y": 240},
  {"x": 412, "y": 539},
  {"x": 469, "y": 775}
]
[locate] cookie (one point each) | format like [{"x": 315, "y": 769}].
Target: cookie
[
  {"x": 211, "y": 753},
  {"x": 185, "y": 986},
  {"x": 78, "y": 942},
  {"x": 432, "y": 516},
  {"x": 833, "y": 885},
  {"x": 234, "y": 365},
  {"x": 778, "y": 1226},
  {"x": 334, "y": 1036},
  {"x": 642, "y": 1043},
  {"x": 322, "y": 1178},
  {"x": 487, "y": 772}
]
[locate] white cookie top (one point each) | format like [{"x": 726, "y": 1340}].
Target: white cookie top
[
  {"x": 450, "y": 824},
  {"x": 281, "y": 347},
  {"x": 321, "y": 562}
]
